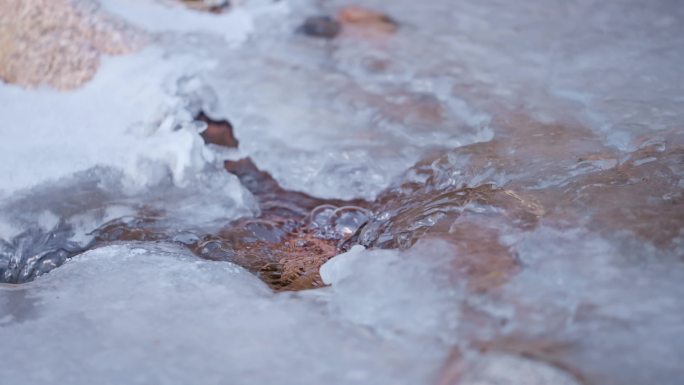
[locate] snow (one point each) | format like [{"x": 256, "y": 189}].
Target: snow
[
  {"x": 128, "y": 146},
  {"x": 141, "y": 127},
  {"x": 159, "y": 16}
]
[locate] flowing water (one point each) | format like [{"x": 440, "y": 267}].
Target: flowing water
[{"x": 443, "y": 192}]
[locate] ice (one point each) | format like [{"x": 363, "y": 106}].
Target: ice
[
  {"x": 526, "y": 157},
  {"x": 155, "y": 313},
  {"x": 125, "y": 144},
  {"x": 141, "y": 128},
  {"x": 314, "y": 116},
  {"x": 146, "y": 313},
  {"x": 617, "y": 299},
  {"x": 337, "y": 268},
  {"x": 168, "y": 16},
  {"x": 610, "y": 64},
  {"x": 317, "y": 130},
  {"x": 343, "y": 118},
  {"x": 419, "y": 282},
  {"x": 69, "y": 211}
]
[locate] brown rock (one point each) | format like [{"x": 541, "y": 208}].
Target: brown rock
[
  {"x": 320, "y": 26},
  {"x": 57, "y": 42},
  {"x": 366, "y": 20},
  {"x": 218, "y": 132},
  {"x": 213, "y": 6}
]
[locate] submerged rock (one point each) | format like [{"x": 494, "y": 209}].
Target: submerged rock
[
  {"x": 367, "y": 19},
  {"x": 320, "y": 26}
]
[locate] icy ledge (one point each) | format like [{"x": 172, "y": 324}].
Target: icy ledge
[{"x": 143, "y": 313}]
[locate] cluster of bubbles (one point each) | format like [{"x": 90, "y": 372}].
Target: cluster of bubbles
[{"x": 337, "y": 223}]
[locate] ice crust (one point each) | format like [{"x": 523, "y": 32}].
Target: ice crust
[
  {"x": 108, "y": 149},
  {"x": 622, "y": 293},
  {"x": 320, "y": 119},
  {"x": 317, "y": 127},
  {"x": 146, "y": 313},
  {"x": 153, "y": 313},
  {"x": 361, "y": 293},
  {"x": 328, "y": 122},
  {"x": 139, "y": 127}
]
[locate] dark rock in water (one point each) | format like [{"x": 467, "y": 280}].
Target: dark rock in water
[
  {"x": 218, "y": 132},
  {"x": 320, "y": 26}
]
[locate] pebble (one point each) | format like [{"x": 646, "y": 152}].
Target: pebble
[{"x": 320, "y": 26}]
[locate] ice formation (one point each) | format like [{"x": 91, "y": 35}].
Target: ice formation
[
  {"x": 518, "y": 171},
  {"x": 142, "y": 313},
  {"x": 107, "y": 151},
  {"x": 144, "y": 128}
]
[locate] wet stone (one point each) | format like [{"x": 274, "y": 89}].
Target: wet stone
[{"x": 320, "y": 26}]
